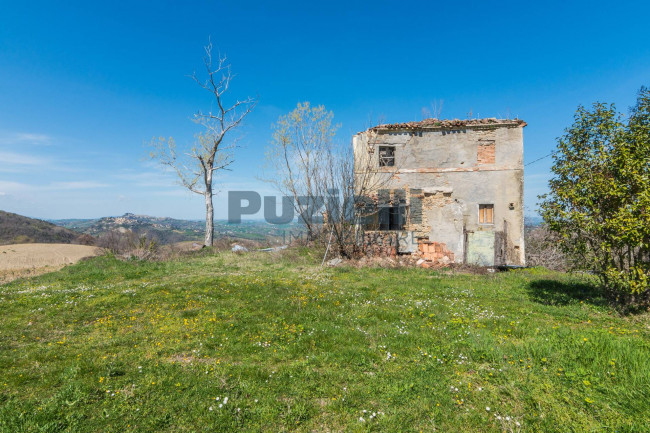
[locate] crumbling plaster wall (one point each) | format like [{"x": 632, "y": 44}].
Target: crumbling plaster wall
[{"x": 444, "y": 165}]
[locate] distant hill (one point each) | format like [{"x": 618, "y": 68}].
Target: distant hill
[
  {"x": 18, "y": 229},
  {"x": 128, "y": 221},
  {"x": 164, "y": 230},
  {"x": 169, "y": 230}
]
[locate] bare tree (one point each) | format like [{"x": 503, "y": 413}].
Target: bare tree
[
  {"x": 433, "y": 111},
  {"x": 354, "y": 176},
  {"x": 212, "y": 151},
  {"x": 324, "y": 177},
  {"x": 542, "y": 248},
  {"x": 299, "y": 151},
  {"x": 350, "y": 182}
]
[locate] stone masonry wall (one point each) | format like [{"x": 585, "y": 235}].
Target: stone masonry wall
[{"x": 380, "y": 243}]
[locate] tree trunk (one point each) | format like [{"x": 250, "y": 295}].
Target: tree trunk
[{"x": 209, "y": 217}]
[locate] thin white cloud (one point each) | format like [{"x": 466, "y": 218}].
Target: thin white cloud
[
  {"x": 10, "y": 187},
  {"x": 12, "y": 158},
  {"x": 147, "y": 178},
  {"x": 84, "y": 184},
  {"x": 154, "y": 164},
  {"x": 33, "y": 138},
  {"x": 25, "y": 138},
  {"x": 16, "y": 162},
  {"x": 163, "y": 177},
  {"x": 180, "y": 192}
]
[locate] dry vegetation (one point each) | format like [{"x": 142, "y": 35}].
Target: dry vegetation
[
  {"x": 33, "y": 259},
  {"x": 542, "y": 249}
]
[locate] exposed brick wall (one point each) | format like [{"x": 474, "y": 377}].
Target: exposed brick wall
[
  {"x": 380, "y": 243},
  {"x": 418, "y": 213},
  {"x": 435, "y": 253},
  {"x": 486, "y": 153}
]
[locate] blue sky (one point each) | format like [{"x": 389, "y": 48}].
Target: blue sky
[{"x": 85, "y": 85}]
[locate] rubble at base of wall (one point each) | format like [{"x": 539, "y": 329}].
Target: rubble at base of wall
[
  {"x": 380, "y": 243},
  {"x": 434, "y": 254},
  {"x": 429, "y": 254}
]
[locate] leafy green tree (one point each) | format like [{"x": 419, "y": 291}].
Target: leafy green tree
[{"x": 599, "y": 200}]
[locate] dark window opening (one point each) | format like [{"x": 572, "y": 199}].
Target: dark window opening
[
  {"x": 392, "y": 217},
  {"x": 386, "y": 156}
]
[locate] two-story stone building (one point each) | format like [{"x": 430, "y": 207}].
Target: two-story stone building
[{"x": 453, "y": 188}]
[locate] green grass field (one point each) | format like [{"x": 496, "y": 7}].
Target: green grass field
[{"x": 272, "y": 343}]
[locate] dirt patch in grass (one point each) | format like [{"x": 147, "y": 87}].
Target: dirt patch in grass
[{"x": 23, "y": 260}]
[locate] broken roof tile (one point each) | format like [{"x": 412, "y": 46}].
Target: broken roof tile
[{"x": 450, "y": 123}]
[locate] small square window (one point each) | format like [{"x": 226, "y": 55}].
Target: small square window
[
  {"x": 386, "y": 156},
  {"x": 486, "y": 214}
]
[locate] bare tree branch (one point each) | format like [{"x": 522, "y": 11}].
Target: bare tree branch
[{"x": 209, "y": 155}]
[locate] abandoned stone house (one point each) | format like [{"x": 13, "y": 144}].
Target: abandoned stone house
[{"x": 449, "y": 191}]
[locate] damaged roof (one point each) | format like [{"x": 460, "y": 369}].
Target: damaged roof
[{"x": 453, "y": 123}]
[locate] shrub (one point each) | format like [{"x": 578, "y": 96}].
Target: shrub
[
  {"x": 542, "y": 248},
  {"x": 599, "y": 200},
  {"x": 126, "y": 244},
  {"x": 86, "y": 239}
]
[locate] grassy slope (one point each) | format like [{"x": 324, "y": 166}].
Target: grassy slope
[
  {"x": 15, "y": 229},
  {"x": 111, "y": 346}
]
